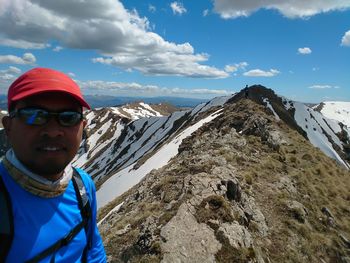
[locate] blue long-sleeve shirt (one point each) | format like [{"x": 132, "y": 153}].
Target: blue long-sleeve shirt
[{"x": 40, "y": 222}]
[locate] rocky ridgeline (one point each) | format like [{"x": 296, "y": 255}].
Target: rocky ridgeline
[
  {"x": 321, "y": 131},
  {"x": 243, "y": 188}
]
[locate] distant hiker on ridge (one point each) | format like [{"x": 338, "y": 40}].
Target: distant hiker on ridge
[
  {"x": 246, "y": 92},
  {"x": 48, "y": 208}
]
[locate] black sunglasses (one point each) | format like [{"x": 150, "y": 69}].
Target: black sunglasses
[{"x": 38, "y": 117}]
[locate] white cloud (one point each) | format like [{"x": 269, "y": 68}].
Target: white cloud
[
  {"x": 178, "y": 8},
  {"x": 205, "y": 12},
  {"x": 10, "y": 59},
  {"x": 120, "y": 36},
  {"x": 57, "y": 48},
  {"x": 165, "y": 64},
  {"x": 345, "y": 41},
  {"x": 235, "y": 67},
  {"x": 136, "y": 89},
  {"x": 323, "y": 87},
  {"x": 152, "y": 8},
  {"x": 261, "y": 73},
  {"x": 11, "y": 70},
  {"x": 19, "y": 43},
  {"x": 71, "y": 74},
  {"x": 230, "y": 68},
  {"x": 304, "y": 50},
  {"x": 14, "y": 70},
  {"x": 27, "y": 59},
  {"x": 7, "y": 76},
  {"x": 289, "y": 8}
]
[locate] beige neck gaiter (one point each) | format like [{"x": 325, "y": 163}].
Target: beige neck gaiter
[{"x": 33, "y": 183}]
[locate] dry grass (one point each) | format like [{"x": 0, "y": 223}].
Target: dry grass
[
  {"x": 324, "y": 183},
  {"x": 319, "y": 182},
  {"x": 215, "y": 208}
]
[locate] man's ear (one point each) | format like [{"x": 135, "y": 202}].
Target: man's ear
[
  {"x": 6, "y": 122},
  {"x": 84, "y": 123}
]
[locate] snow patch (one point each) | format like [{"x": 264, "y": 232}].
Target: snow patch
[
  {"x": 287, "y": 103},
  {"x": 115, "y": 209},
  {"x": 148, "y": 107},
  {"x": 337, "y": 110},
  {"x": 268, "y": 104},
  {"x": 312, "y": 123},
  {"x": 116, "y": 111},
  {"x": 218, "y": 101}
]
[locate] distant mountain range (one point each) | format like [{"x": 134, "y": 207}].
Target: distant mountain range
[{"x": 100, "y": 101}]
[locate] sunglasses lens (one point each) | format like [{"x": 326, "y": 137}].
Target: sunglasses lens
[
  {"x": 34, "y": 116},
  {"x": 69, "y": 118}
]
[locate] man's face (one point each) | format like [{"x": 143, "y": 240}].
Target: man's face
[{"x": 45, "y": 150}]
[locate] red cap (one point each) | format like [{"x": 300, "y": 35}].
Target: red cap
[{"x": 41, "y": 80}]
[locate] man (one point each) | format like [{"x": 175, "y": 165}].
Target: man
[
  {"x": 246, "y": 92},
  {"x": 54, "y": 216}
]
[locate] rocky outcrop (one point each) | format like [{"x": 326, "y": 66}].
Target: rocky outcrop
[
  {"x": 259, "y": 94},
  {"x": 186, "y": 240}
]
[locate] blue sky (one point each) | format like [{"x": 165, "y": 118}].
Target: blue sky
[{"x": 199, "y": 49}]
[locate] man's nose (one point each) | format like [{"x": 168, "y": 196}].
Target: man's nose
[{"x": 52, "y": 129}]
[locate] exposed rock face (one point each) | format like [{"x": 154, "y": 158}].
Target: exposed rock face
[
  {"x": 186, "y": 240},
  {"x": 243, "y": 188}
]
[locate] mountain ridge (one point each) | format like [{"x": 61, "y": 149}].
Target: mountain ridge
[{"x": 242, "y": 187}]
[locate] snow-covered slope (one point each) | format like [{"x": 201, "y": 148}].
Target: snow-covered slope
[
  {"x": 103, "y": 130},
  {"x": 321, "y": 131},
  {"x": 136, "y": 111},
  {"x": 336, "y": 110},
  {"x": 115, "y": 142}
]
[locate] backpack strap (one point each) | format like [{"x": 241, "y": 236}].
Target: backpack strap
[
  {"x": 85, "y": 208},
  {"x": 60, "y": 243},
  {"x": 85, "y": 211},
  {"x": 6, "y": 222}
]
